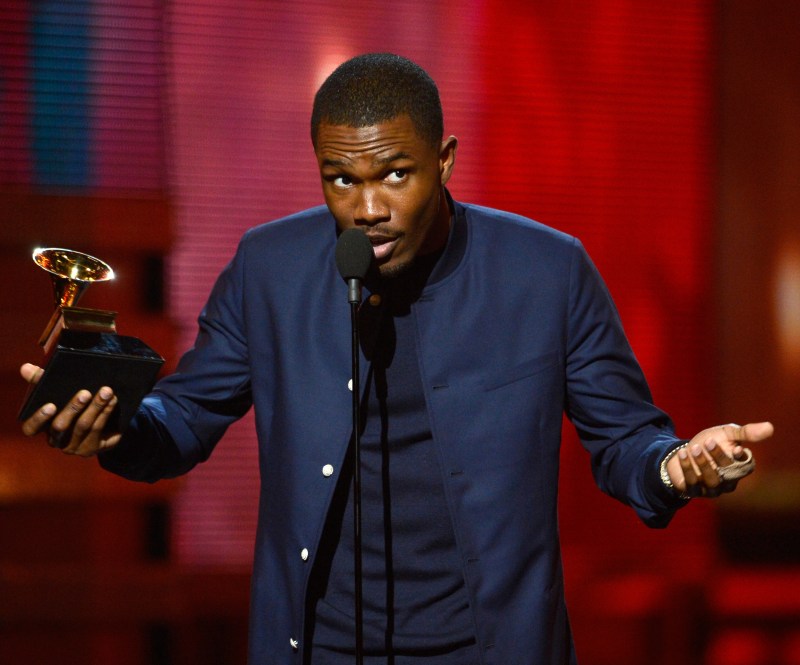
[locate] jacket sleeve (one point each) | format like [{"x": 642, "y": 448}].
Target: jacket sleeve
[
  {"x": 179, "y": 423},
  {"x": 610, "y": 404}
]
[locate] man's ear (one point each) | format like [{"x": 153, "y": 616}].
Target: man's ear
[{"x": 447, "y": 158}]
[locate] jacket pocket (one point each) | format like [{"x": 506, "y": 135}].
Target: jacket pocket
[{"x": 518, "y": 372}]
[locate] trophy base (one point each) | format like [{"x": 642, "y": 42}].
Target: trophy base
[{"x": 91, "y": 360}]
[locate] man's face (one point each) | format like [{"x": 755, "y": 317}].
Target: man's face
[{"x": 387, "y": 181}]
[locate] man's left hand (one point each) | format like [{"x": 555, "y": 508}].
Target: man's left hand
[{"x": 695, "y": 469}]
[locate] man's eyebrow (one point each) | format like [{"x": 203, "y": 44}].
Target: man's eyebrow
[
  {"x": 336, "y": 163},
  {"x": 378, "y": 161},
  {"x": 382, "y": 161}
]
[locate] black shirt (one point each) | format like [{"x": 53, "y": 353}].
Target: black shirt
[{"x": 414, "y": 599}]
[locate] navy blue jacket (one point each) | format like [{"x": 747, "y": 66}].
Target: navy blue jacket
[{"x": 520, "y": 332}]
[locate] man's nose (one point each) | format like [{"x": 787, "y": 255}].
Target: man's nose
[{"x": 371, "y": 207}]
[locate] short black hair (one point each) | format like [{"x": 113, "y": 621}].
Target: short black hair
[{"x": 376, "y": 87}]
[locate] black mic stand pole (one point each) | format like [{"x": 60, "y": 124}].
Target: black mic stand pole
[
  {"x": 354, "y": 297},
  {"x": 354, "y": 256}
]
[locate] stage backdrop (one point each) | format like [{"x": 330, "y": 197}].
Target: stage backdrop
[{"x": 145, "y": 129}]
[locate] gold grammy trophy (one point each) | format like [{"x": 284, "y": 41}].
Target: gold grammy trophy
[{"x": 82, "y": 347}]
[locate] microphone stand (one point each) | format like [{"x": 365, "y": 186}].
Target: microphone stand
[
  {"x": 355, "y": 300},
  {"x": 354, "y": 256}
]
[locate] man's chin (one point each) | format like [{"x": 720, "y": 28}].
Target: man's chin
[{"x": 391, "y": 270}]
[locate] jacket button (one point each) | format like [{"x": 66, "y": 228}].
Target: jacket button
[
  {"x": 304, "y": 554},
  {"x": 327, "y": 470},
  {"x": 375, "y": 300},
  {"x": 350, "y": 385},
  {"x": 294, "y": 643}
]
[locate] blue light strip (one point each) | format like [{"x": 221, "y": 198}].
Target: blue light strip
[{"x": 60, "y": 58}]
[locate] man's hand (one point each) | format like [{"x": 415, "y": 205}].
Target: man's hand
[
  {"x": 694, "y": 470},
  {"x": 79, "y": 429}
]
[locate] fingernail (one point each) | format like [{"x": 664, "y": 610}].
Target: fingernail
[
  {"x": 49, "y": 410},
  {"x": 682, "y": 454},
  {"x": 711, "y": 445},
  {"x": 105, "y": 393},
  {"x": 697, "y": 451},
  {"x": 84, "y": 397}
]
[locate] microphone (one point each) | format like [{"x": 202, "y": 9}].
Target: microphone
[{"x": 353, "y": 260}]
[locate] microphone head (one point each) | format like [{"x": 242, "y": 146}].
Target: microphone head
[{"x": 353, "y": 254}]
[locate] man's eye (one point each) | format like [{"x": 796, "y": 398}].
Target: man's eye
[
  {"x": 342, "y": 181},
  {"x": 398, "y": 175}
]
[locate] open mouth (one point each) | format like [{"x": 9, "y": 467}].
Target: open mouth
[{"x": 382, "y": 245}]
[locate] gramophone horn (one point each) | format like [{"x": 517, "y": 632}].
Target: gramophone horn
[{"x": 71, "y": 272}]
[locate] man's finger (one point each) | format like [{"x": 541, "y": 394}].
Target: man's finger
[
  {"x": 66, "y": 417},
  {"x": 37, "y": 422},
  {"x": 689, "y": 474},
  {"x": 31, "y": 373},
  {"x": 89, "y": 429},
  {"x": 102, "y": 444},
  {"x": 88, "y": 418},
  {"x": 720, "y": 457},
  {"x": 749, "y": 433},
  {"x": 707, "y": 471},
  {"x": 94, "y": 444}
]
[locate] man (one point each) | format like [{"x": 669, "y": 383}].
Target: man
[{"x": 481, "y": 328}]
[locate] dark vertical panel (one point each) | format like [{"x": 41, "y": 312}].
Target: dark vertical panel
[{"x": 15, "y": 159}]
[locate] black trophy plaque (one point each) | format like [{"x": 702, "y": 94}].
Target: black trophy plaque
[{"x": 82, "y": 347}]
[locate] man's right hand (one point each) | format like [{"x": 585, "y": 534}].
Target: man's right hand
[{"x": 79, "y": 428}]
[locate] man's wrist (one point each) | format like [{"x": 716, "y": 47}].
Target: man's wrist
[{"x": 664, "y": 471}]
